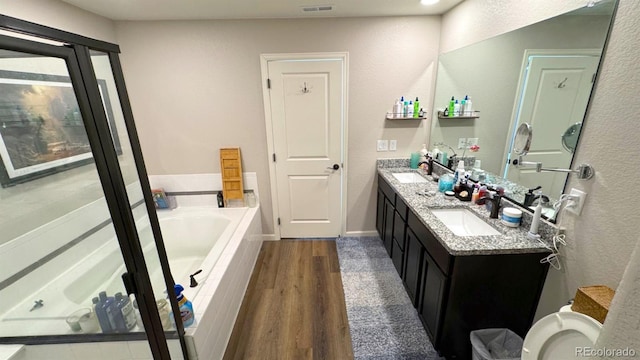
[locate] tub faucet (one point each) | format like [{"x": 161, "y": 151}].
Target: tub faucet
[
  {"x": 37, "y": 305},
  {"x": 193, "y": 282},
  {"x": 495, "y": 204}
]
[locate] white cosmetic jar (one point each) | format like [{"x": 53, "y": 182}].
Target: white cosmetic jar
[{"x": 511, "y": 216}]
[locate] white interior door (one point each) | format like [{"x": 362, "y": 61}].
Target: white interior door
[
  {"x": 307, "y": 114},
  {"x": 555, "y": 96}
]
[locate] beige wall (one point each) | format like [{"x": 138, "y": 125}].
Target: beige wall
[
  {"x": 602, "y": 239},
  {"x": 195, "y": 86},
  {"x": 59, "y": 15}
]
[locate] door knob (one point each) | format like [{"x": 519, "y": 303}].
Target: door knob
[{"x": 334, "y": 167}]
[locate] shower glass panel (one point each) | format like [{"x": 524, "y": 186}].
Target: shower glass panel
[
  {"x": 108, "y": 91},
  {"x": 58, "y": 247}
]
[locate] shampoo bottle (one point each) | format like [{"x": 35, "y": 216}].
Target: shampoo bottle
[
  {"x": 186, "y": 308},
  {"x": 456, "y": 108},
  {"x": 397, "y": 109},
  {"x": 410, "y": 109},
  {"x": 126, "y": 309},
  {"x": 103, "y": 320},
  {"x": 416, "y": 108},
  {"x": 452, "y": 104},
  {"x": 468, "y": 106}
]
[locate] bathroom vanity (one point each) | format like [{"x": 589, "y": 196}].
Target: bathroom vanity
[{"x": 457, "y": 283}]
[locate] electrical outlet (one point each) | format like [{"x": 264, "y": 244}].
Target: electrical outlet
[
  {"x": 393, "y": 145},
  {"x": 472, "y": 141},
  {"x": 575, "y": 206},
  {"x": 462, "y": 143},
  {"x": 383, "y": 145}
]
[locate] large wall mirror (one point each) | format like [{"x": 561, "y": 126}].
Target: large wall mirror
[{"x": 541, "y": 74}]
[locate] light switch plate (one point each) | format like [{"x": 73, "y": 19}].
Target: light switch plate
[
  {"x": 462, "y": 143},
  {"x": 575, "y": 206},
  {"x": 383, "y": 145},
  {"x": 393, "y": 145},
  {"x": 472, "y": 141}
]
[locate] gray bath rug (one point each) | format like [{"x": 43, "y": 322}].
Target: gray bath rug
[{"x": 383, "y": 323}]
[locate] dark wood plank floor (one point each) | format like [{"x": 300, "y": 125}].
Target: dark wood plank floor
[{"x": 294, "y": 306}]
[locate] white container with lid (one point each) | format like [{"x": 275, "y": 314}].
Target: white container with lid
[{"x": 511, "y": 216}]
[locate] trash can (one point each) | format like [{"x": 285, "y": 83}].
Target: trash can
[{"x": 493, "y": 344}]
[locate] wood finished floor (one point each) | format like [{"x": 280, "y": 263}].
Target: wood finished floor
[{"x": 294, "y": 305}]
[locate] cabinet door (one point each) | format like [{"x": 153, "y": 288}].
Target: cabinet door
[
  {"x": 414, "y": 253},
  {"x": 387, "y": 234},
  {"x": 431, "y": 306},
  {"x": 380, "y": 213},
  {"x": 399, "y": 228}
]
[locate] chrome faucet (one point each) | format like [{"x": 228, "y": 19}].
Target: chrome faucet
[{"x": 495, "y": 200}]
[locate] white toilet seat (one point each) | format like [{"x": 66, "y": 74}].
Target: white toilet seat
[{"x": 557, "y": 336}]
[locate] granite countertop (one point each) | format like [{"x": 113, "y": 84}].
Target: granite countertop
[{"x": 512, "y": 240}]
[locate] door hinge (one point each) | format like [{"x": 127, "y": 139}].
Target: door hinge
[
  {"x": 278, "y": 221},
  {"x": 268, "y": 83},
  {"x": 274, "y": 157},
  {"x": 593, "y": 78}
]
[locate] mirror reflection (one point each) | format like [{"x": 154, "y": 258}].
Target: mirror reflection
[{"x": 542, "y": 75}]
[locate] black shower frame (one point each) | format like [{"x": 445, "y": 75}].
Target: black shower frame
[{"x": 76, "y": 53}]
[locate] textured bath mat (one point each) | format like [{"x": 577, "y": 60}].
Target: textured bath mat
[{"x": 382, "y": 321}]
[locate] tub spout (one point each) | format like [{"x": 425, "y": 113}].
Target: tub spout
[{"x": 194, "y": 283}]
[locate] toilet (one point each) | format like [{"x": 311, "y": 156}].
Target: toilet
[{"x": 562, "y": 335}]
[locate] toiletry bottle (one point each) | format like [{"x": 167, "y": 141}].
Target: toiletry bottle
[
  {"x": 416, "y": 108},
  {"x": 126, "y": 309},
  {"x": 475, "y": 195},
  {"x": 452, "y": 105},
  {"x": 444, "y": 158},
  {"x": 435, "y": 154},
  {"x": 456, "y": 108},
  {"x": 220, "y": 199},
  {"x": 463, "y": 104},
  {"x": 460, "y": 172},
  {"x": 405, "y": 109},
  {"x": 410, "y": 109},
  {"x": 424, "y": 152},
  {"x": 397, "y": 109},
  {"x": 103, "y": 320},
  {"x": 108, "y": 305},
  {"x": 468, "y": 106},
  {"x": 186, "y": 308}
]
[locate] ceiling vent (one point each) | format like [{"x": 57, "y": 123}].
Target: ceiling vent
[{"x": 313, "y": 8}]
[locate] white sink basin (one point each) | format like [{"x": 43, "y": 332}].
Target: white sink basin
[
  {"x": 407, "y": 178},
  {"x": 463, "y": 222}
]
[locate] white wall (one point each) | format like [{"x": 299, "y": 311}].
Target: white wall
[
  {"x": 603, "y": 238},
  {"x": 195, "y": 86},
  {"x": 59, "y": 15}
]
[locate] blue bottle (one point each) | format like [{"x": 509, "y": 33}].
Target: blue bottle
[
  {"x": 109, "y": 306},
  {"x": 124, "y": 305},
  {"x": 185, "y": 306},
  {"x": 103, "y": 320}
]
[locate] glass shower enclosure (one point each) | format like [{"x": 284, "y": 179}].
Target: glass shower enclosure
[{"x": 80, "y": 245}]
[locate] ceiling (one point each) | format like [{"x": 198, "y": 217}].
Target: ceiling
[{"x": 255, "y": 9}]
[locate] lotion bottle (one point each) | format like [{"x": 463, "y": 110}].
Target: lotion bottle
[{"x": 416, "y": 108}]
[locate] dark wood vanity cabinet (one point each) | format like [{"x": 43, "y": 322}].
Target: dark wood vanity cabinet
[{"x": 455, "y": 295}]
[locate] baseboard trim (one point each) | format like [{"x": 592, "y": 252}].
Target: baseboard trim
[
  {"x": 269, "y": 237},
  {"x": 361, "y": 233}
]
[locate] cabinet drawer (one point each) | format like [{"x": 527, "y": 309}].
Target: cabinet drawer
[
  {"x": 439, "y": 254},
  {"x": 401, "y": 208},
  {"x": 387, "y": 190}
]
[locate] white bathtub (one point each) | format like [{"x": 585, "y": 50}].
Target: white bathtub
[{"x": 224, "y": 243}]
